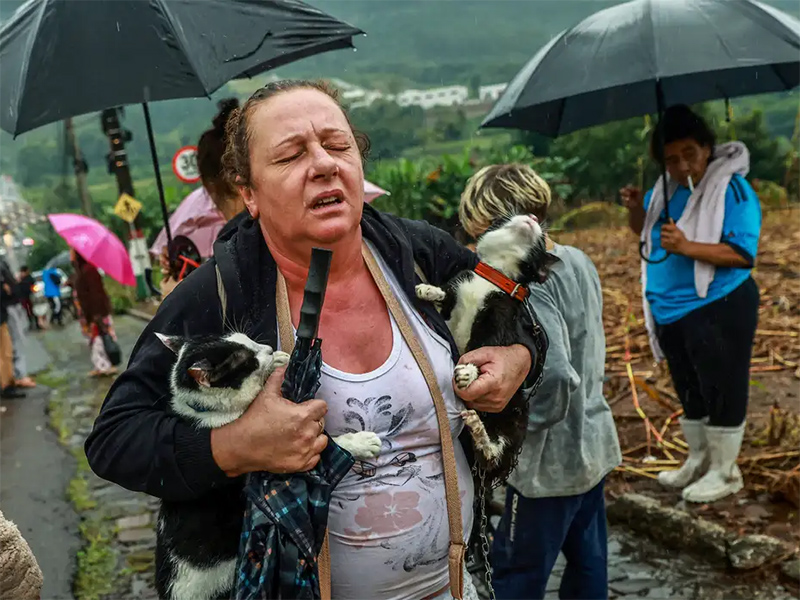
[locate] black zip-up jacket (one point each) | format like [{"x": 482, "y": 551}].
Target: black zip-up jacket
[{"x": 139, "y": 445}]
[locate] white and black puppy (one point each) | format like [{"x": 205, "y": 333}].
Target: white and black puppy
[
  {"x": 213, "y": 381},
  {"x": 480, "y": 313}
]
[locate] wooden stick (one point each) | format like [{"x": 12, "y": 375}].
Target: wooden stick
[
  {"x": 634, "y": 449},
  {"x": 635, "y": 471},
  {"x": 760, "y": 457},
  {"x": 775, "y": 333},
  {"x": 767, "y": 369}
]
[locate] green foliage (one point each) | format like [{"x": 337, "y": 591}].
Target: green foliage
[
  {"x": 97, "y": 564},
  {"x": 122, "y": 297},
  {"x": 604, "y": 158},
  {"x": 767, "y": 157},
  {"x": 391, "y": 128},
  {"x": 430, "y": 189}
]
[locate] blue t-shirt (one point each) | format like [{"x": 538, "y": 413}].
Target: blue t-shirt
[
  {"x": 51, "y": 288},
  {"x": 670, "y": 284}
]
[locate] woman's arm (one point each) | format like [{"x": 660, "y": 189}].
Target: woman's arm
[
  {"x": 135, "y": 442},
  {"x": 720, "y": 255},
  {"x": 551, "y": 402}
]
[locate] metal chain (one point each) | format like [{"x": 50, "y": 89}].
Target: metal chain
[{"x": 484, "y": 520}]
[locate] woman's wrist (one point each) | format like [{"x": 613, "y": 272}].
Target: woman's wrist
[{"x": 225, "y": 450}]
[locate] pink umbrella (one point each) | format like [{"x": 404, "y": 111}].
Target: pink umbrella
[
  {"x": 96, "y": 244},
  {"x": 372, "y": 191},
  {"x": 198, "y": 219}
]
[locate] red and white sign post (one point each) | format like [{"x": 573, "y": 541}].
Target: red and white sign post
[{"x": 184, "y": 164}]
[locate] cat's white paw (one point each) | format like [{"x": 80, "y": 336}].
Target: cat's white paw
[
  {"x": 280, "y": 359},
  {"x": 429, "y": 293},
  {"x": 491, "y": 451},
  {"x": 464, "y": 375},
  {"x": 362, "y": 445},
  {"x": 472, "y": 420}
]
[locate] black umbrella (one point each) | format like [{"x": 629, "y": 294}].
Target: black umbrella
[
  {"x": 286, "y": 515},
  {"x": 61, "y": 58},
  {"x": 639, "y": 57}
]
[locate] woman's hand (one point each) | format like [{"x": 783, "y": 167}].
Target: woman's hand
[
  {"x": 632, "y": 197},
  {"x": 163, "y": 261},
  {"x": 168, "y": 283},
  {"x": 274, "y": 434},
  {"x": 502, "y": 372},
  {"x": 633, "y": 200},
  {"x": 673, "y": 239}
]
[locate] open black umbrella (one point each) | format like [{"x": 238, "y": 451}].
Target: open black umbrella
[
  {"x": 61, "y": 58},
  {"x": 639, "y": 57},
  {"x": 286, "y": 515}
]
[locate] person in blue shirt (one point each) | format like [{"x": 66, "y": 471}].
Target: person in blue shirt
[
  {"x": 702, "y": 298},
  {"x": 52, "y": 291}
]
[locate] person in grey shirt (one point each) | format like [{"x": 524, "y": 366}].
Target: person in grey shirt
[{"x": 554, "y": 500}]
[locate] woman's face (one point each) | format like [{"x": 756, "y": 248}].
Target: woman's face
[
  {"x": 307, "y": 180},
  {"x": 685, "y": 158}
]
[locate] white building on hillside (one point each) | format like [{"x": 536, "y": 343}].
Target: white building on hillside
[
  {"x": 453, "y": 95},
  {"x": 490, "y": 93}
]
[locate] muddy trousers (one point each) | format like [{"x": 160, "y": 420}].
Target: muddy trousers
[
  {"x": 708, "y": 352},
  {"x": 532, "y": 533}
]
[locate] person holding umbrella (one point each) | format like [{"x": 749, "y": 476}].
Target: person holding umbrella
[
  {"x": 297, "y": 162},
  {"x": 95, "y": 311},
  {"x": 701, "y": 303},
  {"x": 225, "y": 196}
]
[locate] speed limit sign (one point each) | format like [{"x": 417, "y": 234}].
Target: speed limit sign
[{"x": 184, "y": 164}]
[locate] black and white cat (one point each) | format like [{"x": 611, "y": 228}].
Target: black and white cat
[
  {"x": 213, "y": 381},
  {"x": 478, "y": 314}
]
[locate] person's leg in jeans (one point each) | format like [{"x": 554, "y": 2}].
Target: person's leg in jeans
[
  {"x": 586, "y": 550},
  {"x": 527, "y": 543}
]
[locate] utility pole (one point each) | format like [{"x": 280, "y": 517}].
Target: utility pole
[
  {"x": 81, "y": 168},
  {"x": 117, "y": 160}
]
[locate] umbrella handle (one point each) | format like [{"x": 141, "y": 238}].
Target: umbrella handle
[
  {"x": 314, "y": 295},
  {"x": 159, "y": 184}
]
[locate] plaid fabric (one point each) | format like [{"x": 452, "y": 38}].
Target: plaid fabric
[{"x": 284, "y": 526}]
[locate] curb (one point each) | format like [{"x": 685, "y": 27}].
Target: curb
[{"x": 681, "y": 530}]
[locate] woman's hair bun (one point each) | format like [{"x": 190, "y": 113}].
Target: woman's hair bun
[{"x": 225, "y": 108}]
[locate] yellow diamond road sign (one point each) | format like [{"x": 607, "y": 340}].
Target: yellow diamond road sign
[{"x": 127, "y": 208}]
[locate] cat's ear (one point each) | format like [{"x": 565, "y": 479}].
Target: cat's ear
[
  {"x": 545, "y": 267},
  {"x": 232, "y": 363},
  {"x": 173, "y": 342},
  {"x": 200, "y": 372}
]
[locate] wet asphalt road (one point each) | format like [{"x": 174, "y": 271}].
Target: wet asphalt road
[{"x": 34, "y": 473}]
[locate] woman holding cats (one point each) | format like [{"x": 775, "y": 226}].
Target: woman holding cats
[{"x": 298, "y": 166}]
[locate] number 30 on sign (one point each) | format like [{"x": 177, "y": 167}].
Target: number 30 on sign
[{"x": 184, "y": 164}]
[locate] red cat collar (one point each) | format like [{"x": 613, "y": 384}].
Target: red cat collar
[{"x": 509, "y": 286}]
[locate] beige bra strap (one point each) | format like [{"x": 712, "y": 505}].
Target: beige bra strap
[
  {"x": 286, "y": 334},
  {"x": 457, "y": 546}
]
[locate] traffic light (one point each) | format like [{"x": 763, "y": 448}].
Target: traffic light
[{"x": 117, "y": 158}]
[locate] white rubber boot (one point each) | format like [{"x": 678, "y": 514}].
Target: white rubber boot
[
  {"x": 724, "y": 477},
  {"x": 697, "y": 461}
]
